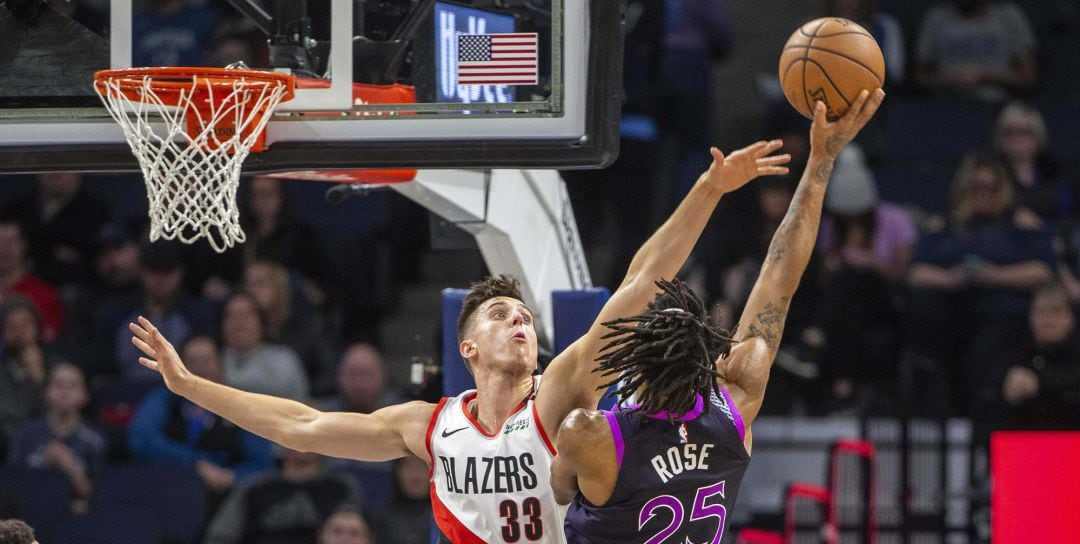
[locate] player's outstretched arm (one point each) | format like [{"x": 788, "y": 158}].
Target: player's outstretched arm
[
  {"x": 662, "y": 255},
  {"x": 389, "y": 433},
  {"x": 762, "y": 321}
]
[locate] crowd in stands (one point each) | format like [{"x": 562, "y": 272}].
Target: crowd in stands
[
  {"x": 75, "y": 402},
  {"x": 921, "y": 298},
  {"x": 963, "y": 307}
]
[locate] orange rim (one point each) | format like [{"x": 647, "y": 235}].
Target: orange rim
[{"x": 169, "y": 82}]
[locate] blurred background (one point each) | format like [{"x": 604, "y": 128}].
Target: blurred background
[{"x": 939, "y": 307}]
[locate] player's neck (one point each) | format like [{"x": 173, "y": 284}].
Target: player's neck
[{"x": 497, "y": 395}]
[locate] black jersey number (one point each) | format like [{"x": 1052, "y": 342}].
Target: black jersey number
[{"x": 533, "y": 524}]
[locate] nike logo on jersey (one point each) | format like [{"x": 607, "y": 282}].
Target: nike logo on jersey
[{"x": 446, "y": 434}]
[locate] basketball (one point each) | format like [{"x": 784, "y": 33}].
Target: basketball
[{"x": 831, "y": 60}]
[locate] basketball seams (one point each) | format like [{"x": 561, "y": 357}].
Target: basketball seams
[
  {"x": 839, "y": 54},
  {"x": 859, "y": 32},
  {"x": 830, "y": 80},
  {"x": 806, "y": 57}
]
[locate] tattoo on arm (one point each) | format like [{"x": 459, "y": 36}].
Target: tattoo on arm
[
  {"x": 823, "y": 172},
  {"x": 769, "y": 324},
  {"x": 834, "y": 144}
]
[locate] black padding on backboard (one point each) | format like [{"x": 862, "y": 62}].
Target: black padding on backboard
[{"x": 598, "y": 149}]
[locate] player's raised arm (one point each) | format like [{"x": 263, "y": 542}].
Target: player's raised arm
[
  {"x": 762, "y": 321},
  {"x": 389, "y": 433},
  {"x": 662, "y": 255}
]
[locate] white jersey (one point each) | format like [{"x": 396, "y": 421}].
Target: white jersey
[{"x": 492, "y": 488}]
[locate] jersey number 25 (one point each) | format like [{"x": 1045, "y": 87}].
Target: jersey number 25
[{"x": 700, "y": 511}]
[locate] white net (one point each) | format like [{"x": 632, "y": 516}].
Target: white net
[{"x": 192, "y": 164}]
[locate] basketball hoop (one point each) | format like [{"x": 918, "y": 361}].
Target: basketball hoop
[{"x": 191, "y": 129}]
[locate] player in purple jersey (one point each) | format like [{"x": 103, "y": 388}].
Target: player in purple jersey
[{"x": 668, "y": 469}]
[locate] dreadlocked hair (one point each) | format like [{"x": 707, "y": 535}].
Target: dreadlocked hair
[{"x": 669, "y": 352}]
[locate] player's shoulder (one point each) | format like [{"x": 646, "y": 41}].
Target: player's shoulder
[
  {"x": 415, "y": 410},
  {"x": 581, "y": 429}
]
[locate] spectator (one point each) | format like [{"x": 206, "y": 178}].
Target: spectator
[
  {"x": 252, "y": 364},
  {"x": 346, "y": 526},
  {"x": 882, "y": 26},
  {"x": 169, "y": 428},
  {"x": 971, "y": 283},
  {"x": 1043, "y": 196},
  {"x": 14, "y": 531},
  {"x": 161, "y": 272},
  {"x": 61, "y": 440},
  {"x": 276, "y": 234},
  {"x": 697, "y": 33},
  {"x": 866, "y": 246},
  {"x": 16, "y": 279},
  {"x": 406, "y": 517},
  {"x": 633, "y": 214},
  {"x": 284, "y": 507},
  {"x": 361, "y": 382},
  {"x": 1041, "y": 389},
  {"x": 979, "y": 48},
  {"x": 117, "y": 265},
  {"x": 173, "y": 32},
  {"x": 61, "y": 220},
  {"x": 291, "y": 321},
  {"x": 115, "y": 277},
  {"x": 23, "y": 366}
]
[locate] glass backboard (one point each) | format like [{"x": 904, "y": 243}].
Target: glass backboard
[{"x": 385, "y": 83}]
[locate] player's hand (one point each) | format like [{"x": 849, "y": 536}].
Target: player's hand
[
  {"x": 737, "y": 169},
  {"x": 160, "y": 354},
  {"x": 828, "y": 139}
]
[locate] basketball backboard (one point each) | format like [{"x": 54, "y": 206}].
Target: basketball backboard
[{"x": 391, "y": 83}]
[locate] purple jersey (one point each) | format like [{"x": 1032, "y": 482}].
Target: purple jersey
[{"x": 676, "y": 483}]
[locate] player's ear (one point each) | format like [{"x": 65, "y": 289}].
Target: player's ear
[{"x": 467, "y": 348}]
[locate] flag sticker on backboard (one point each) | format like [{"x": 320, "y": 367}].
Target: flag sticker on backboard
[{"x": 497, "y": 59}]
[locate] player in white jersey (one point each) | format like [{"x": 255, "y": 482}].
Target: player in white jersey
[
  {"x": 507, "y": 439},
  {"x": 476, "y": 473}
]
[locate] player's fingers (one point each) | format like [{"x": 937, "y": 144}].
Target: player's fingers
[
  {"x": 138, "y": 331},
  {"x": 144, "y": 347},
  {"x": 871, "y": 107},
  {"x": 159, "y": 339},
  {"x": 772, "y": 170},
  {"x": 819, "y": 114},
  {"x": 857, "y": 107},
  {"x": 717, "y": 155},
  {"x": 765, "y": 147},
  {"x": 774, "y": 160},
  {"x": 152, "y": 365},
  {"x": 147, "y": 325}
]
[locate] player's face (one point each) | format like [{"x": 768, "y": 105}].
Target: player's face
[{"x": 503, "y": 336}]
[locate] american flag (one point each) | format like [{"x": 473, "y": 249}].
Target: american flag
[{"x": 497, "y": 59}]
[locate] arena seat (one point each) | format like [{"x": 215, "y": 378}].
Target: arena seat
[
  {"x": 924, "y": 184},
  {"x": 42, "y": 496},
  {"x": 937, "y": 128},
  {"x": 174, "y": 493},
  {"x": 139, "y": 526}
]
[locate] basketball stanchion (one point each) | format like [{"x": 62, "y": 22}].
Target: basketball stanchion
[
  {"x": 851, "y": 489},
  {"x": 191, "y": 129},
  {"x": 806, "y": 511}
]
